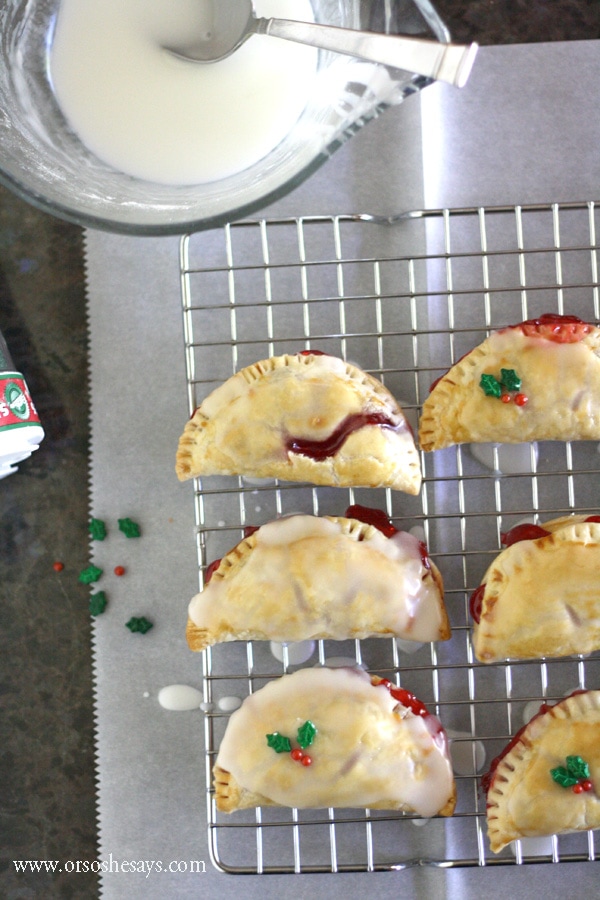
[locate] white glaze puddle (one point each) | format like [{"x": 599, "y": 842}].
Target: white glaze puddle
[
  {"x": 408, "y": 646},
  {"x": 179, "y": 697},
  {"x": 166, "y": 120},
  {"x": 510, "y": 459},
  {"x": 341, "y": 662},
  {"x": 294, "y": 654},
  {"x": 229, "y": 704},
  {"x": 467, "y": 755},
  {"x": 534, "y": 846}
]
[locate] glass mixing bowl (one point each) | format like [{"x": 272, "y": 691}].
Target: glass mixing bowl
[{"x": 43, "y": 160}]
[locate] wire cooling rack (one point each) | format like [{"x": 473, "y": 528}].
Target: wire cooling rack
[{"x": 404, "y": 298}]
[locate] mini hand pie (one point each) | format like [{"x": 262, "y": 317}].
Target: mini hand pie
[
  {"x": 547, "y": 780},
  {"x": 334, "y": 738},
  {"x": 307, "y": 417},
  {"x": 305, "y": 577},
  {"x": 541, "y": 595},
  {"x": 539, "y": 380}
]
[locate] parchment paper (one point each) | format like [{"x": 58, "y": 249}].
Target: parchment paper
[{"x": 525, "y": 129}]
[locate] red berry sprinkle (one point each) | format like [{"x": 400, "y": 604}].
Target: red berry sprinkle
[
  {"x": 521, "y": 399},
  {"x": 297, "y": 754},
  {"x": 506, "y": 398},
  {"x": 119, "y": 570},
  {"x": 306, "y": 760},
  {"x": 58, "y": 566},
  {"x": 587, "y": 785},
  {"x": 578, "y": 788}
]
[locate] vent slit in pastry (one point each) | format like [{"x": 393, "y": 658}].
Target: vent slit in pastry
[
  {"x": 547, "y": 779},
  {"x": 538, "y": 380},
  {"x": 541, "y": 595},
  {"x": 308, "y": 577},
  {"x": 303, "y": 417},
  {"x": 324, "y": 738}
]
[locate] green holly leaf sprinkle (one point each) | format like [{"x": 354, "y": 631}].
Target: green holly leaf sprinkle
[
  {"x": 490, "y": 385},
  {"x": 89, "y": 575},
  {"x": 306, "y": 734},
  {"x": 129, "y": 528},
  {"x": 97, "y": 529},
  {"x": 139, "y": 624},
  {"x": 510, "y": 380},
  {"x": 279, "y": 743},
  {"x": 578, "y": 768},
  {"x": 562, "y": 777},
  {"x": 98, "y": 603}
]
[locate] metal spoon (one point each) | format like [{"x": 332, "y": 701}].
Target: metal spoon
[{"x": 231, "y": 22}]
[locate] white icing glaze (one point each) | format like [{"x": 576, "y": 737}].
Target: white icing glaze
[
  {"x": 229, "y": 704},
  {"x": 179, "y": 697},
  {"x": 305, "y": 579},
  {"x": 363, "y": 754}
]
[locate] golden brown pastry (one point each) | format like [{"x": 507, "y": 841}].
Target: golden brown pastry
[
  {"x": 547, "y": 780},
  {"x": 334, "y": 738},
  {"x": 302, "y": 417},
  {"x": 538, "y": 380},
  {"x": 308, "y": 577},
  {"x": 541, "y": 595}
]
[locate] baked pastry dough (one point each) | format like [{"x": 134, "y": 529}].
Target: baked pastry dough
[
  {"x": 303, "y": 417},
  {"x": 304, "y": 577},
  {"x": 324, "y": 738},
  {"x": 547, "y": 781},
  {"x": 538, "y": 380},
  {"x": 541, "y": 596}
]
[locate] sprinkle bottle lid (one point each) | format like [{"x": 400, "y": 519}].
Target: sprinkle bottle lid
[{"x": 20, "y": 429}]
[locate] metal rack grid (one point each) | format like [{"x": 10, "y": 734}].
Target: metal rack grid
[{"x": 404, "y": 298}]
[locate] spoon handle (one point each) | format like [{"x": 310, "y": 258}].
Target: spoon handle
[{"x": 451, "y": 63}]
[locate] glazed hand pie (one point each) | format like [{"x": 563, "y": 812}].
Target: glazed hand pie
[
  {"x": 305, "y": 417},
  {"x": 304, "y": 577},
  {"x": 539, "y": 380},
  {"x": 541, "y": 595},
  {"x": 334, "y": 738},
  {"x": 547, "y": 780}
]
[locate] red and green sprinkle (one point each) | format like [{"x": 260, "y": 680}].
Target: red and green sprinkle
[
  {"x": 576, "y": 775},
  {"x": 305, "y": 737},
  {"x": 507, "y": 388}
]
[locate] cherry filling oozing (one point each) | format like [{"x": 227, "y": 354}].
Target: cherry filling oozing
[
  {"x": 375, "y": 517},
  {"x": 378, "y": 519},
  {"x": 329, "y": 446},
  {"x": 525, "y": 532},
  {"x": 406, "y": 698},
  {"x": 562, "y": 329},
  {"x": 530, "y": 532},
  {"x": 418, "y": 708},
  {"x": 476, "y": 603},
  {"x": 210, "y": 570}
]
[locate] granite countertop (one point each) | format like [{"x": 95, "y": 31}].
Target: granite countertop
[{"x": 48, "y": 808}]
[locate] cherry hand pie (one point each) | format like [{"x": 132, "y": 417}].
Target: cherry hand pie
[
  {"x": 547, "y": 780},
  {"x": 307, "y": 577},
  {"x": 334, "y": 738},
  {"x": 304, "y": 417},
  {"x": 538, "y": 380},
  {"x": 541, "y": 595}
]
